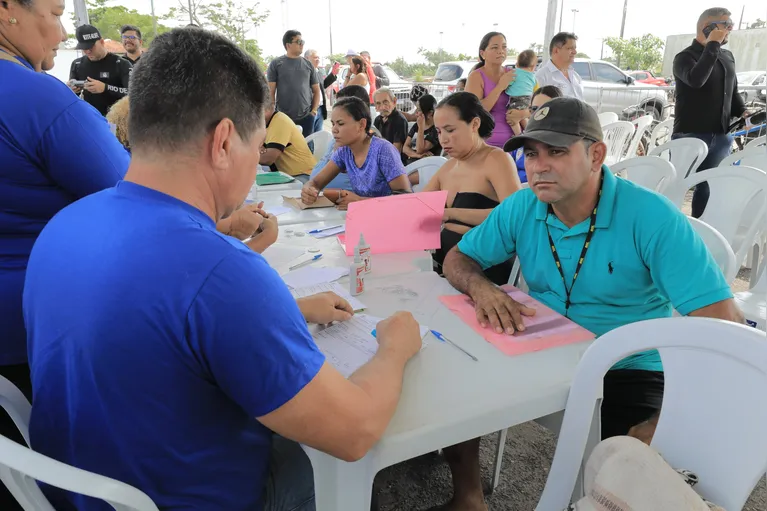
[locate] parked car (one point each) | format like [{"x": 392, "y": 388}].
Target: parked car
[
  {"x": 752, "y": 78},
  {"x": 398, "y": 85},
  {"x": 649, "y": 78},
  {"x": 446, "y": 78},
  {"x": 608, "y": 89}
]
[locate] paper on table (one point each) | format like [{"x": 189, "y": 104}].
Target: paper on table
[
  {"x": 321, "y": 202},
  {"x": 278, "y": 254},
  {"x": 333, "y": 287},
  {"x": 312, "y": 275},
  {"x": 398, "y": 223},
  {"x": 278, "y": 210},
  {"x": 546, "y": 329},
  {"x": 328, "y": 232},
  {"x": 349, "y": 345}
]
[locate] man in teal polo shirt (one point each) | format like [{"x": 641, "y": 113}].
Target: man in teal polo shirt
[{"x": 598, "y": 249}]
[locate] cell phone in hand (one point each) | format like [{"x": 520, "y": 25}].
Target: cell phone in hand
[{"x": 78, "y": 83}]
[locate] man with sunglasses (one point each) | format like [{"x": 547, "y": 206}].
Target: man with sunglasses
[
  {"x": 707, "y": 94},
  {"x": 132, "y": 42},
  {"x": 293, "y": 83}
]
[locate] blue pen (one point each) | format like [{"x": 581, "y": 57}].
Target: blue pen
[
  {"x": 317, "y": 231},
  {"x": 309, "y": 261},
  {"x": 444, "y": 339}
]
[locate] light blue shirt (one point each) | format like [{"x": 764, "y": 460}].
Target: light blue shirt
[
  {"x": 523, "y": 84},
  {"x": 341, "y": 180},
  {"x": 644, "y": 259}
]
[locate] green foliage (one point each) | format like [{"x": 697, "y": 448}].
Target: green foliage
[
  {"x": 644, "y": 52},
  {"x": 110, "y": 18},
  {"x": 537, "y": 48},
  {"x": 758, "y": 24},
  {"x": 581, "y": 55}
]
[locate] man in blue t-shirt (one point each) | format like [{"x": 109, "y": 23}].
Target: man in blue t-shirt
[
  {"x": 635, "y": 255},
  {"x": 169, "y": 356}
]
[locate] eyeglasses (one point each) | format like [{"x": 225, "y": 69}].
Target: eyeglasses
[
  {"x": 299, "y": 42},
  {"x": 130, "y": 37},
  {"x": 728, "y": 24}
]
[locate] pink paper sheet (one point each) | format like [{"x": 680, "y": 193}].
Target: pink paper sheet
[
  {"x": 547, "y": 329},
  {"x": 398, "y": 223}
]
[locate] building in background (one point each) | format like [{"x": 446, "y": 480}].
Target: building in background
[{"x": 748, "y": 46}]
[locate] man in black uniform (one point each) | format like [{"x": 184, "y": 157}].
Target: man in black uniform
[
  {"x": 707, "y": 94},
  {"x": 106, "y": 75}
]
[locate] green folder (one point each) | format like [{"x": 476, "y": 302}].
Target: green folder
[{"x": 273, "y": 178}]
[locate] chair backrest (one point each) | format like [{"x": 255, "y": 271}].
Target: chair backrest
[
  {"x": 640, "y": 129},
  {"x": 712, "y": 421},
  {"x": 322, "y": 140},
  {"x": 616, "y": 136},
  {"x": 426, "y": 168},
  {"x": 758, "y": 142},
  {"x": 660, "y": 134},
  {"x": 686, "y": 154},
  {"x": 16, "y": 405},
  {"x": 606, "y": 118},
  {"x": 300, "y": 128},
  {"x": 719, "y": 248},
  {"x": 21, "y": 467},
  {"x": 749, "y": 153},
  {"x": 651, "y": 172}
]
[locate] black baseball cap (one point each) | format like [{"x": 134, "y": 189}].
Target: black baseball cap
[
  {"x": 87, "y": 36},
  {"x": 560, "y": 122}
]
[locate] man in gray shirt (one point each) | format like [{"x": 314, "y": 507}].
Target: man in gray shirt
[{"x": 293, "y": 83}]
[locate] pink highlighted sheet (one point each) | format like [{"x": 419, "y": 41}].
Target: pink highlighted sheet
[
  {"x": 398, "y": 223},
  {"x": 547, "y": 329}
]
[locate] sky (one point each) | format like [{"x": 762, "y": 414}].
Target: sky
[{"x": 393, "y": 28}]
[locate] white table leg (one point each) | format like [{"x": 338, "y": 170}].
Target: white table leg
[
  {"x": 499, "y": 458},
  {"x": 595, "y": 436},
  {"x": 341, "y": 486}
]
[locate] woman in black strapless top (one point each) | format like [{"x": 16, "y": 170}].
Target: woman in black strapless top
[{"x": 477, "y": 176}]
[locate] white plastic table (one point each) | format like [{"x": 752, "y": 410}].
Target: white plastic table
[
  {"x": 446, "y": 397},
  {"x": 274, "y": 198},
  {"x": 384, "y": 265}
]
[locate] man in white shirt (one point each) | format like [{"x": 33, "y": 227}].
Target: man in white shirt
[{"x": 559, "y": 70}]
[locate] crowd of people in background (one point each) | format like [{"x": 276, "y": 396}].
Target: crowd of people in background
[{"x": 148, "y": 344}]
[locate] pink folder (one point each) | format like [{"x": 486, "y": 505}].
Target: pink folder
[
  {"x": 546, "y": 329},
  {"x": 398, "y": 223}
]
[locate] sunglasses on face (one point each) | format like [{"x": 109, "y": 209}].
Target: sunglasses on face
[
  {"x": 725, "y": 24},
  {"x": 130, "y": 37},
  {"x": 299, "y": 42}
]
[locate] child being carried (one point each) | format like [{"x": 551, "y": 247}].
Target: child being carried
[{"x": 521, "y": 89}]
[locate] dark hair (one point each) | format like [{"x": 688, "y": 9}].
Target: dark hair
[
  {"x": 427, "y": 104},
  {"x": 128, "y": 28},
  {"x": 551, "y": 91},
  {"x": 560, "y": 40},
  {"x": 469, "y": 107},
  {"x": 483, "y": 44},
  {"x": 527, "y": 58},
  {"x": 188, "y": 81},
  {"x": 288, "y": 37},
  {"x": 358, "y": 109},
  {"x": 354, "y": 91},
  {"x": 359, "y": 61},
  {"x": 463, "y": 81}
]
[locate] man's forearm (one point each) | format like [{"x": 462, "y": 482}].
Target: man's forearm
[
  {"x": 316, "y": 98},
  {"x": 463, "y": 272},
  {"x": 261, "y": 241}
]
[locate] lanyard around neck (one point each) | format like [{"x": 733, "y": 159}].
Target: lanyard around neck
[{"x": 589, "y": 235}]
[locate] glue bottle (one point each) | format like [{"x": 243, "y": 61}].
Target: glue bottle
[
  {"x": 357, "y": 274},
  {"x": 365, "y": 254}
]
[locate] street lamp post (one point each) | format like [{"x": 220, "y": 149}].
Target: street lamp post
[
  {"x": 191, "y": 20},
  {"x": 154, "y": 19},
  {"x": 575, "y": 11},
  {"x": 330, "y": 24}
]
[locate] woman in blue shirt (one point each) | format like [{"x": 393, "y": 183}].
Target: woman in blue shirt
[
  {"x": 373, "y": 164},
  {"x": 54, "y": 148}
]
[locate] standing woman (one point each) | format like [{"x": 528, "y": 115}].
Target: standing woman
[
  {"x": 54, "y": 149},
  {"x": 358, "y": 74},
  {"x": 489, "y": 80}
]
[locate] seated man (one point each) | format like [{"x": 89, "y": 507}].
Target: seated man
[
  {"x": 390, "y": 121},
  {"x": 169, "y": 356},
  {"x": 635, "y": 255},
  {"x": 341, "y": 181},
  {"x": 285, "y": 148}
]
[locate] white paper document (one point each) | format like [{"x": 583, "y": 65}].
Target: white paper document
[
  {"x": 279, "y": 255},
  {"x": 312, "y": 275},
  {"x": 335, "y": 287},
  {"x": 278, "y": 210},
  {"x": 350, "y": 345}
]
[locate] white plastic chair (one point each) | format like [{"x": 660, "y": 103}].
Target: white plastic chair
[
  {"x": 640, "y": 128},
  {"x": 15, "y": 403},
  {"x": 322, "y": 140},
  {"x": 651, "y": 172},
  {"x": 660, "y": 134},
  {"x": 686, "y": 154},
  {"x": 713, "y": 419},
  {"x": 718, "y": 246},
  {"x": 758, "y": 142},
  {"x": 606, "y": 118},
  {"x": 426, "y": 168},
  {"x": 748, "y": 156},
  {"x": 21, "y": 467},
  {"x": 300, "y": 129},
  {"x": 753, "y": 302},
  {"x": 616, "y": 136}
]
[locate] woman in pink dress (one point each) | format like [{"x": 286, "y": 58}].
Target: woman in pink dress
[{"x": 489, "y": 80}]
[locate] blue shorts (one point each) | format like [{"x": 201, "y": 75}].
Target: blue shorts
[{"x": 290, "y": 483}]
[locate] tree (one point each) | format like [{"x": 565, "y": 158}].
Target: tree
[
  {"x": 537, "y": 48},
  {"x": 233, "y": 19},
  {"x": 109, "y": 20},
  {"x": 758, "y": 24},
  {"x": 581, "y": 55},
  {"x": 435, "y": 58},
  {"x": 644, "y": 52},
  {"x": 336, "y": 57}
]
